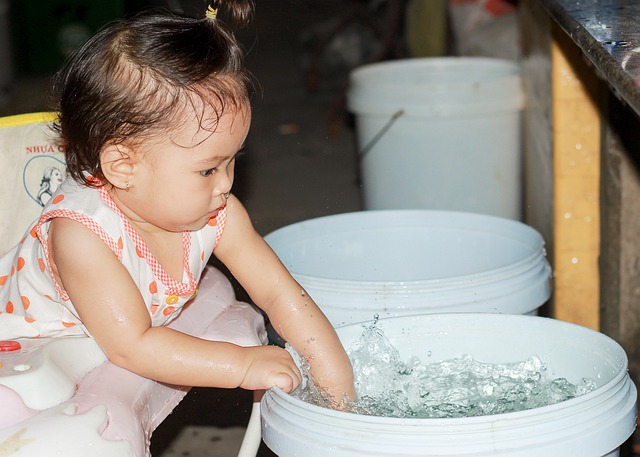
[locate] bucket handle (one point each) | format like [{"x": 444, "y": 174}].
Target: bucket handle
[{"x": 372, "y": 142}]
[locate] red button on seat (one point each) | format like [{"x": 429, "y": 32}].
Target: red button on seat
[{"x": 9, "y": 346}]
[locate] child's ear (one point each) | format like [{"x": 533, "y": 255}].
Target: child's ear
[{"x": 117, "y": 165}]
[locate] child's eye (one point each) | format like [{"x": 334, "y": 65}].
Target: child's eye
[{"x": 208, "y": 172}]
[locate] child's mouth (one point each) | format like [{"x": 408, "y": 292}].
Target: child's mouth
[{"x": 215, "y": 212}]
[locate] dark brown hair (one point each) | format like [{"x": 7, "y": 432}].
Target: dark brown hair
[{"x": 130, "y": 80}]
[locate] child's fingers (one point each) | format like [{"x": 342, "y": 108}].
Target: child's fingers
[
  {"x": 289, "y": 379},
  {"x": 271, "y": 367},
  {"x": 287, "y": 382},
  {"x": 284, "y": 382}
]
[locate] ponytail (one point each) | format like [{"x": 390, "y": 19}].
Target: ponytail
[{"x": 240, "y": 11}]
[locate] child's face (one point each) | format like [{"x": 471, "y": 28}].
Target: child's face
[{"x": 181, "y": 177}]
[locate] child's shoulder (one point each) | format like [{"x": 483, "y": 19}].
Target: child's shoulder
[
  {"x": 89, "y": 205},
  {"x": 73, "y": 196}
]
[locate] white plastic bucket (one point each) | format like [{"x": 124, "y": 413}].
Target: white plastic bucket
[
  {"x": 594, "y": 424},
  {"x": 440, "y": 133},
  {"x": 400, "y": 262}
]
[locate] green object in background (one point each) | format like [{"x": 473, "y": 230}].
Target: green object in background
[
  {"x": 426, "y": 28},
  {"x": 44, "y": 32}
]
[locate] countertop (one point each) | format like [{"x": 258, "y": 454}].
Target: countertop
[{"x": 608, "y": 33}]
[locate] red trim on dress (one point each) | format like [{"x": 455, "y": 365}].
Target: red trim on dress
[{"x": 173, "y": 286}]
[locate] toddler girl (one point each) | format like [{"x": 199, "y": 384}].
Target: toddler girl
[{"x": 153, "y": 112}]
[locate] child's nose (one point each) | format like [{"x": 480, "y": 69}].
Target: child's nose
[{"x": 224, "y": 184}]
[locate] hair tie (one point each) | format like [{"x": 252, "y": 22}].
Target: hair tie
[{"x": 212, "y": 12}]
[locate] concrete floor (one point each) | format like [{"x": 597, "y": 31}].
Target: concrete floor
[{"x": 297, "y": 166}]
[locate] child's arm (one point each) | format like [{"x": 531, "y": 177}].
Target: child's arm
[
  {"x": 111, "y": 307},
  {"x": 292, "y": 312}
]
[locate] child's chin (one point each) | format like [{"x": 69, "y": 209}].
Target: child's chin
[
  {"x": 187, "y": 227},
  {"x": 198, "y": 225}
]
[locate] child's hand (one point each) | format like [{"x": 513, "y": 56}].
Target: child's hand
[{"x": 269, "y": 366}]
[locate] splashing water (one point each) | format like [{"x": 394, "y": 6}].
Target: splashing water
[{"x": 461, "y": 387}]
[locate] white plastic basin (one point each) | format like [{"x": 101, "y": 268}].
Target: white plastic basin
[
  {"x": 594, "y": 424},
  {"x": 402, "y": 262}
]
